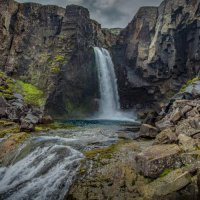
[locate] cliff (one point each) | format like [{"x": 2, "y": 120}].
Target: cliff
[
  {"x": 50, "y": 47},
  {"x": 157, "y": 52}
]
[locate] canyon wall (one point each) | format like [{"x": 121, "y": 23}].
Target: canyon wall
[
  {"x": 51, "y": 48},
  {"x": 158, "y": 51}
]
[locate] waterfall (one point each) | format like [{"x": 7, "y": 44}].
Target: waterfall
[
  {"x": 109, "y": 105},
  {"x": 109, "y": 97}
]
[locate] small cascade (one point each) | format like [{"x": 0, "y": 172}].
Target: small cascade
[{"x": 46, "y": 172}]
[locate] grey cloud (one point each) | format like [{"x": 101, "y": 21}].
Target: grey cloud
[{"x": 110, "y": 13}]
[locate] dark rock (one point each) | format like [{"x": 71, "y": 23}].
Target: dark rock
[
  {"x": 47, "y": 119},
  {"x": 27, "y": 126}
]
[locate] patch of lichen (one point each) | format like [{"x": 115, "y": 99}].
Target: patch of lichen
[
  {"x": 189, "y": 82},
  {"x": 105, "y": 153},
  {"x": 32, "y": 95},
  {"x": 52, "y": 126}
]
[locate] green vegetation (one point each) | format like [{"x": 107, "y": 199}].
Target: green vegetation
[
  {"x": 20, "y": 137},
  {"x": 47, "y": 127},
  {"x": 190, "y": 82},
  {"x": 56, "y": 63},
  {"x": 7, "y": 89},
  {"x": 105, "y": 153},
  {"x": 32, "y": 94},
  {"x": 166, "y": 172}
]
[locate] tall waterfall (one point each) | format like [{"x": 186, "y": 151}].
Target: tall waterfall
[{"x": 109, "y": 97}]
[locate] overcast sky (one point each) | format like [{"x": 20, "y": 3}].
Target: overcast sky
[{"x": 110, "y": 13}]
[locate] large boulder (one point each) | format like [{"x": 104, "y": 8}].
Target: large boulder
[
  {"x": 167, "y": 136},
  {"x": 154, "y": 160},
  {"x": 172, "y": 182},
  {"x": 148, "y": 131}
]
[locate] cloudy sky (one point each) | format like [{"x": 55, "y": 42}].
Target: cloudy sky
[{"x": 110, "y": 13}]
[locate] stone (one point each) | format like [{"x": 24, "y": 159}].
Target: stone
[
  {"x": 47, "y": 119},
  {"x": 191, "y": 157},
  {"x": 189, "y": 127},
  {"x": 187, "y": 143},
  {"x": 172, "y": 182},
  {"x": 154, "y": 160},
  {"x": 193, "y": 113},
  {"x": 26, "y": 126},
  {"x": 186, "y": 109},
  {"x": 148, "y": 131},
  {"x": 176, "y": 116},
  {"x": 18, "y": 96},
  {"x": 163, "y": 124},
  {"x": 167, "y": 136}
]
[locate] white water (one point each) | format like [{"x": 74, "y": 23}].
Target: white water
[
  {"x": 45, "y": 166},
  {"x": 109, "y": 105}
]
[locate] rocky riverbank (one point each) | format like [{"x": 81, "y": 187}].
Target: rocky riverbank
[{"x": 163, "y": 163}]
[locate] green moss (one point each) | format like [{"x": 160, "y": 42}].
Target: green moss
[
  {"x": 20, "y": 137},
  {"x": 59, "y": 58},
  {"x": 166, "y": 172},
  {"x": 189, "y": 82},
  {"x": 32, "y": 95},
  {"x": 105, "y": 153},
  {"x": 56, "y": 63},
  {"x": 47, "y": 127},
  {"x": 9, "y": 130}
]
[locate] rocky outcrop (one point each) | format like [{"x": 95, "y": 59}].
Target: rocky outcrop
[
  {"x": 51, "y": 48},
  {"x": 157, "y": 52}
]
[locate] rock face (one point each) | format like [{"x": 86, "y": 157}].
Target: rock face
[
  {"x": 51, "y": 48},
  {"x": 158, "y": 51}
]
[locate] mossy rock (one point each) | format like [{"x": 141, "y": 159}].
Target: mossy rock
[
  {"x": 19, "y": 137},
  {"x": 32, "y": 95}
]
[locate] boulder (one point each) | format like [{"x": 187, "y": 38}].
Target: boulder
[
  {"x": 193, "y": 113},
  {"x": 167, "y": 136},
  {"x": 191, "y": 157},
  {"x": 163, "y": 124},
  {"x": 189, "y": 127},
  {"x": 187, "y": 143},
  {"x": 27, "y": 126},
  {"x": 186, "y": 109},
  {"x": 154, "y": 160},
  {"x": 148, "y": 131},
  {"x": 176, "y": 116},
  {"x": 172, "y": 182},
  {"x": 47, "y": 119}
]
